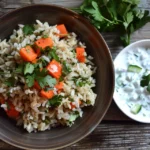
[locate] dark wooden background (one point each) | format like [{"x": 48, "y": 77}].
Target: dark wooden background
[{"x": 116, "y": 132}]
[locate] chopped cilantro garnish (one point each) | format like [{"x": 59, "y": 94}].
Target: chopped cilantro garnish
[
  {"x": 29, "y": 68},
  {"x": 46, "y": 81},
  {"x": 19, "y": 69},
  {"x": 146, "y": 82},
  {"x": 30, "y": 80},
  {"x": 47, "y": 121},
  {"x": 28, "y": 29},
  {"x": 61, "y": 79},
  {"x": 47, "y": 89},
  {"x": 42, "y": 63},
  {"x": 45, "y": 36},
  {"x": 74, "y": 53},
  {"x": 80, "y": 81},
  {"x": 10, "y": 81},
  {"x": 71, "y": 99},
  {"x": 66, "y": 68},
  {"x": 42, "y": 77},
  {"x": 55, "y": 101},
  {"x": 52, "y": 54}
]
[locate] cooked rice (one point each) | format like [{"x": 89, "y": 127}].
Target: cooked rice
[{"x": 35, "y": 113}]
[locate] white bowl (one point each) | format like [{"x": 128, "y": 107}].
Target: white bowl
[{"x": 120, "y": 61}]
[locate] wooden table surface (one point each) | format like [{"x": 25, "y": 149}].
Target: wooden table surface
[{"x": 116, "y": 131}]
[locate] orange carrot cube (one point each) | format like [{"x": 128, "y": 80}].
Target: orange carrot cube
[
  {"x": 47, "y": 94},
  {"x": 62, "y": 29},
  {"x": 55, "y": 69},
  {"x": 27, "y": 53}
]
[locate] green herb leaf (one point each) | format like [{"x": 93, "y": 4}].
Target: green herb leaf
[
  {"x": 30, "y": 80},
  {"x": 66, "y": 68},
  {"x": 123, "y": 16},
  {"x": 41, "y": 73},
  {"x": 29, "y": 68},
  {"x": 128, "y": 19},
  {"x": 72, "y": 100},
  {"x": 50, "y": 81},
  {"x": 45, "y": 36},
  {"x": 48, "y": 89},
  {"x": 55, "y": 101},
  {"x": 148, "y": 88},
  {"x": 42, "y": 63},
  {"x": 74, "y": 53},
  {"x": 10, "y": 81},
  {"x": 47, "y": 120},
  {"x": 46, "y": 81},
  {"x": 28, "y": 29},
  {"x": 133, "y": 2},
  {"x": 145, "y": 80},
  {"x": 61, "y": 79},
  {"x": 73, "y": 117},
  {"x": 80, "y": 81},
  {"x": 53, "y": 54},
  {"x": 19, "y": 69}
]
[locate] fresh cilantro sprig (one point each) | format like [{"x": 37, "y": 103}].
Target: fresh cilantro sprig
[
  {"x": 55, "y": 101},
  {"x": 45, "y": 36},
  {"x": 28, "y": 29},
  {"x": 19, "y": 69},
  {"x": 28, "y": 69},
  {"x": 123, "y": 16},
  {"x": 46, "y": 81},
  {"x": 66, "y": 68},
  {"x": 32, "y": 72},
  {"x": 42, "y": 77},
  {"x": 53, "y": 54},
  {"x": 145, "y": 82},
  {"x": 80, "y": 81},
  {"x": 10, "y": 81},
  {"x": 30, "y": 80},
  {"x": 41, "y": 63}
]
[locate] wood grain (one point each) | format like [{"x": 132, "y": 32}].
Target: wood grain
[
  {"x": 110, "y": 136},
  {"x": 116, "y": 132}
]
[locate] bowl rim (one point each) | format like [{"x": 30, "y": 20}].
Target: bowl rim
[
  {"x": 124, "y": 50},
  {"x": 3, "y": 137}
]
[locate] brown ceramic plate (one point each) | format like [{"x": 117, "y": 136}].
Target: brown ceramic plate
[{"x": 96, "y": 46}]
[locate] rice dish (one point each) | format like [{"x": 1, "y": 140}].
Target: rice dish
[{"x": 45, "y": 76}]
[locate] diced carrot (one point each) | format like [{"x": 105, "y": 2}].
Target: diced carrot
[
  {"x": 38, "y": 51},
  {"x": 80, "y": 54},
  {"x": 2, "y": 99},
  {"x": 62, "y": 29},
  {"x": 59, "y": 86},
  {"x": 36, "y": 85},
  {"x": 43, "y": 43},
  {"x": 47, "y": 94},
  {"x": 11, "y": 111},
  {"x": 34, "y": 61},
  {"x": 73, "y": 106},
  {"x": 28, "y": 54},
  {"x": 55, "y": 69}
]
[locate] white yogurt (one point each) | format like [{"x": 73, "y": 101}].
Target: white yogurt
[{"x": 128, "y": 92}]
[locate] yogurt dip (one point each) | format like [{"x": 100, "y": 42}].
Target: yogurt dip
[{"x": 131, "y": 66}]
